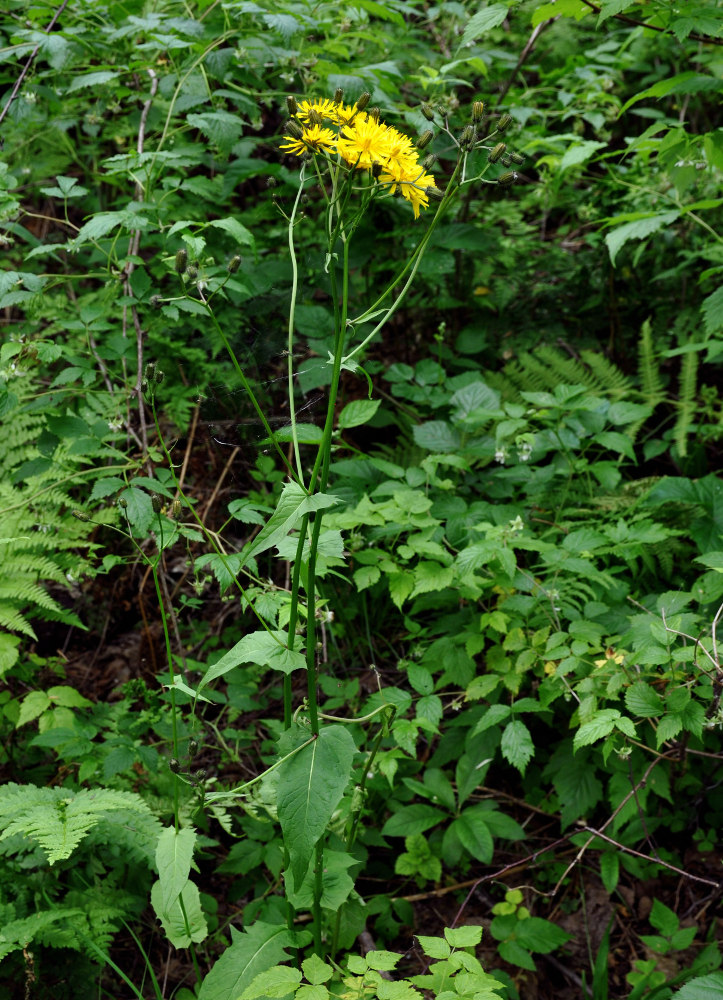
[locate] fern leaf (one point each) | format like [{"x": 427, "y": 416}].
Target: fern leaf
[{"x": 686, "y": 401}]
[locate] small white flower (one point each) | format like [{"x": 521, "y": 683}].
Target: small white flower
[{"x": 501, "y": 455}]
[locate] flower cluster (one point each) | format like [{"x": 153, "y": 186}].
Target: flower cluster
[{"x": 362, "y": 142}]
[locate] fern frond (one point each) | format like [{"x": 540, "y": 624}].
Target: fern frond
[
  {"x": 57, "y": 819},
  {"x": 651, "y": 382},
  {"x": 686, "y": 401},
  {"x": 13, "y": 621},
  {"x": 607, "y": 378}
]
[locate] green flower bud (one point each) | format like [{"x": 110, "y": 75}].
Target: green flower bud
[
  {"x": 506, "y": 160},
  {"x": 338, "y": 95},
  {"x": 477, "y": 111},
  {"x": 175, "y": 765},
  {"x": 81, "y": 515},
  {"x": 504, "y": 123},
  {"x": 200, "y": 774},
  {"x": 466, "y": 140},
  {"x": 377, "y": 169},
  {"x": 434, "y": 193},
  {"x": 150, "y": 370},
  {"x": 294, "y": 130},
  {"x": 291, "y": 105},
  {"x": 159, "y": 376},
  {"x": 181, "y": 261},
  {"x": 192, "y": 273},
  {"x": 122, "y": 503},
  {"x": 234, "y": 264},
  {"x": 363, "y": 100},
  {"x": 176, "y": 510},
  {"x": 192, "y": 747},
  {"x": 156, "y": 503},
  {"x": 425, "y": 138},
  {"x": 271, "y": 182},
  {"x": 497, "y": 152},
  {"x": 429, "y": 161},
  {"x": 374, "y": 113},
  {"x": 144, "y": 385},
  {"x": 315, "y": 118},
  {"x": 428, "y": 112},
  {"x": 517, "y": 158},
  {"x": 155, "y": 301},
  {"x": 508, "y": 179}
]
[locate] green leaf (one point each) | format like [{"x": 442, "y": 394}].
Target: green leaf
[
  {"x": 316, "y": 971},
  {"x": 602, "y": 724},
  {"x": 257, "y": 949},
  {"x": 412, "y": 819},
  {"x": 336, "y": 883},
  {"x": 293, "y": 504},
  {"x": 173, "y": 919},
  {"x": 539, "y": 935},
  {"x": 467, "y": 936},
  {"x": 559, "y": 8},
  {"x": 382, "y": 961},
  {"x": 310, "y": 787},
  {"x": 277, "y": 982},
  {"x": 474, "y": 835},
  {"x": 609, "y": 870},
  {"x": 266, "y": 649},
  {"x": 220, "y": 127},
  {"x": 642, "y": 699},
  {"x": 482, "y": 21},
  {"x": 492, "y": 717},
  {"x": 359, "y": 411},
  {"x": 399, "y": 990},
  {"x": 580, "y": 153},
  {"x": 641, "y": 227},
  {"x": 90, "y": 80},
  {"x": 437, "y": 435},
  {"x": 174, "y": 853},
  {"x": 234, "y": 228},
  {"x": 434, "y": 947},
  {"x": 712, "y": 309},
  {"x": 689, "y": 82},
  {"x": 32, "y": 706},
  {"x": 517, "y": 746},
  {"x": 702, "y": 988},
  {"x": 576, "y": 784}
]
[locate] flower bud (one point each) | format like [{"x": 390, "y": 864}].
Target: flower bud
[
  {"x": 200, "y": 774},
  {"x": 159, "y": 376},
  {"x": 150, "y": 370},
  {"x": 144, "y": 385},
  {"x": 192, "y": 747},
  {"x": 192, "y": 272},
  {"x": 122, "y": 503},
  {"x": 428, "y": 112},
  {"x": 374, "y": 113},
  {"x": 181, "y": 261},
  {"x": 377, "y": 169},
  {"x": 81, "y": 515},
  {"x": 477, "y": 111},
  {"x": 175, "y": 765},
  {"x": 338, "y": 95},
  {"x": 466, "y": 140},
  {"x": 497, "y": 152},
  {"x": 294, "y": 130},
  {"x": 363, "y": 100},
  {"x": 517, "y": 158},
  {"x": 425, "y": 138},
  {"x": 176, "y": 510},
  {"x": 156, "y": 503},
  {"x": 508, "y": 179},
  {"x": 291, "y": 104},
  {"x": 314, "y": 118},
  {"x": 434, "y": 193},
  {"x": 155, "y": 301},
  {"x": 504, "y": 123},
  {"x": 271, "y": 182},
  {"x": 506, "y": 160},
  {"x": 234, "y": 264}
]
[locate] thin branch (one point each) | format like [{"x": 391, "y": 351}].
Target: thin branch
[
  {"x": 706, "y": 39},
  {"x": 29, "y": 62},
  {"x": 530, "y": 44}
]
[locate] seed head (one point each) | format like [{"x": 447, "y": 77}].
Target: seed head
[{"x": 175, "y": 765}]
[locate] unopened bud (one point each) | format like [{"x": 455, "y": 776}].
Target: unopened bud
[
  {"x": 159, "y": 376},
  {"x": 192, "y": 747},
  {"x": 122, "y": 503},
  {"x": 506, "y": 160},
  {"x": 200, "y": 774},
  {"x": 466, "y": 140},
  {"x": 477, "y": 111},
  {"x": 508, "y": 179},
  {"x": 434, "y": 193},
  {"x": 156, "y": 503},
  {"x": 291, "y": 105},
  {"x": 517, "y": 158},
  {"x": 425, "y": 138},
  {"x": 377, "y": 169},
  {"x": 81, "y": 515},
  {"x": 338, "y": 95},
  {"x": 181, "y": 261},
  {"x": 429, "y": 161},
  {"x": 176, "y": 510},
  {"x": 374, "y": 113},
  {"x": 428, "y": 112},
  {"x": 363, "y": 100},
  {"x": 504, "y": 123},
  {"x": 155, "y": 301},
  {"x": 294, "y": 130},
  {"x": 234, "y": 264},
  {"x": 144, "y": 385},
  {"x": 315, "y": 118},
  {"x": 150, "y": 370},
  {"x": 271, "y": 182},
  {"x": 175, "y": 765},
  {"x": 497, "y": 152},
  {"x": 192, "y": 273}
]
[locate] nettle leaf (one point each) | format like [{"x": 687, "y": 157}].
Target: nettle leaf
[
  {"x": 258, "y": 948},
  {"x": 310, "y": 787},
  {"x": 517, "y": 746},
  {"x": 638, "y": 229},
  {"x": 266, "y": 649},
  {"x": 482, "y": 21}
]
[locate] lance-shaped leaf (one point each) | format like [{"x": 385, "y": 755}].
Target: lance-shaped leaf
[
  {"x": 255, "y": 950},
  {"x": 293, "y": 504},
  {"x": 174, "y": 853},
  {"x": 311, "y": 784}
]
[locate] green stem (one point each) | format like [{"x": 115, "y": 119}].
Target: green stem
[{"x": 292, "y": 313}]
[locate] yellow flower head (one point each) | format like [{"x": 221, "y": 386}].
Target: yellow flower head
[
  {"x": 412, "y": 185},
  {"x": 364, "y": 143},
  {"x": 315, "y": 139},
  {"x": 401, "y": 151},
  {"x": 323, "y": 106}
]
